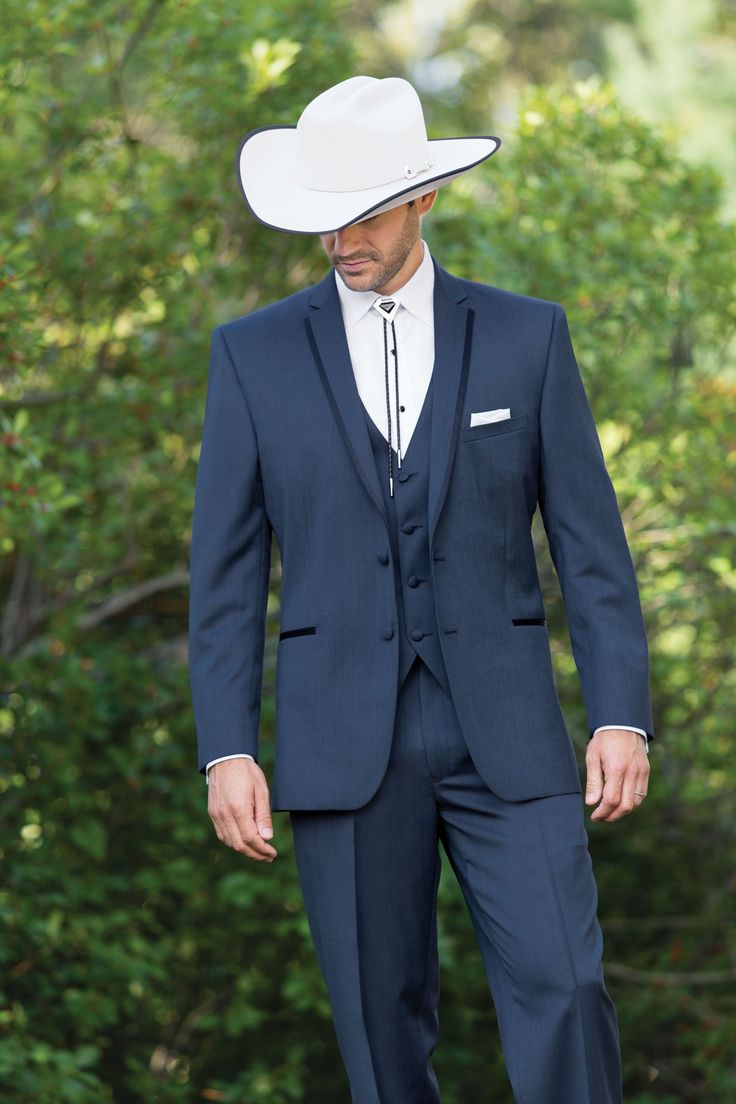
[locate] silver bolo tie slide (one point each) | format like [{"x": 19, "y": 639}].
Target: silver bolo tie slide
[{"x": 388, "y": 309}]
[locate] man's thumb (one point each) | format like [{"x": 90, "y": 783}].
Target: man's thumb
[
  {"x": 592, "y": 790},
  {"x": 263, "y": 820}
]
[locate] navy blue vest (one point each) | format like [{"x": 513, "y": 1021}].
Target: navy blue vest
[{"x": 407, "y": 514}]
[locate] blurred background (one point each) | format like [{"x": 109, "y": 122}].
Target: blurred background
[{"x": 142, "y": 961}]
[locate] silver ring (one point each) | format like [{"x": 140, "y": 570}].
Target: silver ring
[{"x": 639, "y": 792}]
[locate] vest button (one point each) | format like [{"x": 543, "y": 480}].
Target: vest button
[
  {"x": 413, "y": 581},
  {"x": 408, "y": 527},
  {"x": 382, "y": 557},
  {"x": 416, "y": 634},
  {"x": 387, "y": 632}
]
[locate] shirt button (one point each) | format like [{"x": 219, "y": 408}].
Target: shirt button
[
  {"x": 382, "y": 557},
  {"x": 387, "y": 632},
  {"x": 413, "y": 581},
  {"x": 416, "y": 634}
]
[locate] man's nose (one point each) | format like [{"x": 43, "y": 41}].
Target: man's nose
[{"x": 346, "y": 241}]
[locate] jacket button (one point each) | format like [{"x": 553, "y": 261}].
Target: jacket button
[
  {"x": 416, "y": 634},
  {"x": 413, "y": 581},
  {"x": 387, "y": 632},
  {"x": 408, "y": 527},
  {"x": 382, "y": 557}
]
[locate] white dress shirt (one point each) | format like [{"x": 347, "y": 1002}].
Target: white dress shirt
[{"x": 414, "y": 323}]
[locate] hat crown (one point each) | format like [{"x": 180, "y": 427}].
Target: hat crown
[{"x": 362, "y": 133}]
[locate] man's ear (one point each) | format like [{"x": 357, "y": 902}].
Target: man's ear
[{"x": 426, "y": 202}]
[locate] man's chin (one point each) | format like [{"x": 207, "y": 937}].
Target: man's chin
[{"x": 362, "y": 281}]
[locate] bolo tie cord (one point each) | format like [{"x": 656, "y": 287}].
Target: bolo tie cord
[{"x": 388, "y": 403}]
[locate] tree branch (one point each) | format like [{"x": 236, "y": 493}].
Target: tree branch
[
  {"x": 179, "y": 577},
  {"x": 667, "y": 979}
]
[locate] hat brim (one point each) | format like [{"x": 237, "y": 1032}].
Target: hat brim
[{"x": 266, "y": 160}]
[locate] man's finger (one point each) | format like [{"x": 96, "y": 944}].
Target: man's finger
[
  {"x": 263, "y": 813},
  {"x": 594, "y": 783},
  {"x": 232, "y": 806},
  {"x": 634, "y": 776},
  {"x": 611, "y": 796},
  {"x": 593, "y": 788},
  {"x": 627, "y": 799},
  {"x": 641, "y": 788},
  {"x": 249, "y": 838},
  {"x": 242, "y": 835}
]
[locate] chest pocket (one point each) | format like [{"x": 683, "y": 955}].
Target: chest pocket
[
  {"x": 498, "y": 452},
  {"x": 495, "y": 429}
]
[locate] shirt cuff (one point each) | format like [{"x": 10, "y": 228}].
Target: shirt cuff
[
  {"x": 629, "y": 728},
  {"x": 238, "y": 755}
]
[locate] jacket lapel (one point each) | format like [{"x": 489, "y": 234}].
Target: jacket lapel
[
  {"x": 452, "y": 338},
  {"x": 453, "y": 324},
  {"x": 326, "y": 332}
]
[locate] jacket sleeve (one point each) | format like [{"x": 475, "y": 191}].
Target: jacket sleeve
[
  {"x": 589, "y": 549},
  {"x": 230, "y": 561}
]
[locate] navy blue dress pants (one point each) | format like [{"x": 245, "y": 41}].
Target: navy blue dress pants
[{"x": 369, "y": 879}]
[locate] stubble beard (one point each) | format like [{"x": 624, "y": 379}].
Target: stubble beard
[{"x": 392, "y": 262}]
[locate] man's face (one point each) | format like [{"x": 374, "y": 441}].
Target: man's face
[{"x": 368, "y": 254}]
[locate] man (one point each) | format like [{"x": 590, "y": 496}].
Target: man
[{"x": 395, "y": 427}]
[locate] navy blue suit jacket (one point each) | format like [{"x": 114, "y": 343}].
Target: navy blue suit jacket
[{"x": 286, "y": 451}]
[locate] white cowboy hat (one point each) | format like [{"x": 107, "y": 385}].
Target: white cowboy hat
[{"x": 358, "y": 149}]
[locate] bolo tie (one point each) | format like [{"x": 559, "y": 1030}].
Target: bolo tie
[{"x": 388, "y": 309}]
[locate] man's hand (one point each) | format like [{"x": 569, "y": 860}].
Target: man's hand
[
  {"x": 618, "y": 757},
  {"x": 240, "y": 809}
]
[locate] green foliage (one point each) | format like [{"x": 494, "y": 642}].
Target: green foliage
[
  {"x": 592, "y": 209},
  {"x": 141, "y": 960}
]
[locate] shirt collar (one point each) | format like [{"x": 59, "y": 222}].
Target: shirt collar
[{"x": 417, "y": 294}]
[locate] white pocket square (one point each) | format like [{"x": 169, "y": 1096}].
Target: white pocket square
[{"x": 483, "y": 417}]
